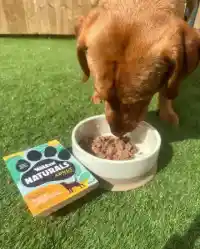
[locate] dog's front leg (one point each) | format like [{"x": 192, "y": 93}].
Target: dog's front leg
[{"x": 166, "y": 110}]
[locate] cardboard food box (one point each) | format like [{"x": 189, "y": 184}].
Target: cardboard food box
[{"x": 49, "y": 177}]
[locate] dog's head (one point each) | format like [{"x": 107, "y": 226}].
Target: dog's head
[{"x": 150, "y": 62}]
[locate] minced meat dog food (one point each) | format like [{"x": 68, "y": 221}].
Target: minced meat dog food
[{"x": 110, "y": 147}]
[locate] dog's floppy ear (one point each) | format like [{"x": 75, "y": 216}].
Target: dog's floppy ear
[
  {"x": 182, "y": 57},
  {"x": 78, "y": 25},
  {"x": 82, "y": 27},
  {"x": 80, "y": 33}
]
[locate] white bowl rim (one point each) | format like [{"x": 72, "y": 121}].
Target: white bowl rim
[{"x": 137, "y": 159}]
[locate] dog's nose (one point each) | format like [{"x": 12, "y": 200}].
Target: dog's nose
[
  {"x": 121, "y": 131},
  {"x": 118, "y": 134},
  {"x": 116, "y": 131}
]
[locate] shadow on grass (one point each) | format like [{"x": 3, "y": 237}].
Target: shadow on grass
[
  {"x": 166, "y": 151},
  {"x": 187, "y": 106},
  {"x": 90, "y": 197},
  {"x": 187, "y": 241}
]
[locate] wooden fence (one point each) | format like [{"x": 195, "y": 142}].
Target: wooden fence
[
  {"x": 45, "y": 16},
  {"x": 197, "y": 20},
  {"x": 41, "y": 16}
]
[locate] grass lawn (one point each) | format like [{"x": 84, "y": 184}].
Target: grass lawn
[{"x": 41, "y": 98}]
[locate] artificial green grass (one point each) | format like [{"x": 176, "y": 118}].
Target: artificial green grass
[{"x": 41, "y": 98}]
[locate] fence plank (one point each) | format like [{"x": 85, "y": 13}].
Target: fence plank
[
  {"x": 30, "y": 15},
  {"x": 14, "y": 13},
  {"x": 197, "y": 20},
  {"x": 3, "y": 21}
]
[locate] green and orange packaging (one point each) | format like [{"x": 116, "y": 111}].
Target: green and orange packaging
[{"x": 49, "y": 177}]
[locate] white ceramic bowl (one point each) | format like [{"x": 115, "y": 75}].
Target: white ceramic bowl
[{"x": 145, "y": 137}]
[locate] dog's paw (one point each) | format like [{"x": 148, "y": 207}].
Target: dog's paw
[
  {"x": 170, "y": 117},
  {"x": 96, "y": 99}
]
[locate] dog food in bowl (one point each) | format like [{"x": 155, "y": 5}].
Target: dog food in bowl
[{"x": 110, "y": 147}]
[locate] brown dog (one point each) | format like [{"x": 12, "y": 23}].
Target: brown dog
[{"x": 134, "y": 49}]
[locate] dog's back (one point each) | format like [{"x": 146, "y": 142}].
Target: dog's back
[{"x": 139, "y": 6}]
